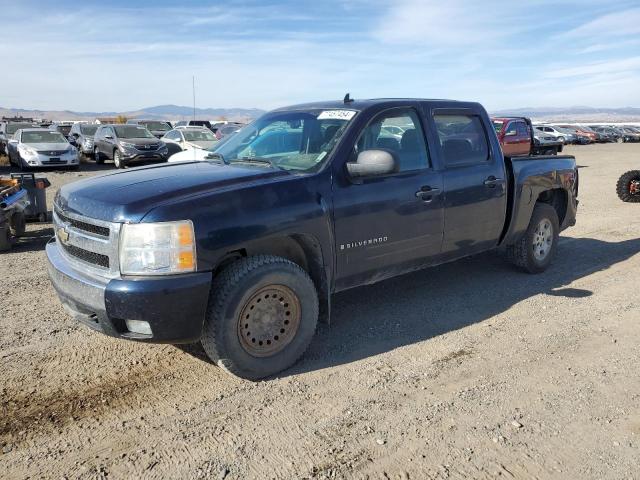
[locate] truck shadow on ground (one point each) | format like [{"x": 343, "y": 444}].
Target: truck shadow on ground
[{"x": 367, "y": 321}]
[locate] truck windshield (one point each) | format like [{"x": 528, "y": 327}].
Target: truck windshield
[{"x": 292, "y": 140}]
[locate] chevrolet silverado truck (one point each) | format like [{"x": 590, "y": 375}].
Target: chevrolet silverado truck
[{"x": 243, "y": 251}]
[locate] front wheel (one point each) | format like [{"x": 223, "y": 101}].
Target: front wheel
[
  {"x": 261, "y": 317},
  {"x": 628, "y": 187},
  {"x": 117, "y": 159},
  {"x": 535, "y": 250},
  {"x": 97, "y": 155}
]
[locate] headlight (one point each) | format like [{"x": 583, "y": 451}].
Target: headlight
[
  {"x": 157, "y": 248},
  {"x": 27, "y": 151},
  {"x": 127, "y": 145}
]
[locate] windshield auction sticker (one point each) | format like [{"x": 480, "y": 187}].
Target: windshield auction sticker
[{"x": 336, "y": 115}]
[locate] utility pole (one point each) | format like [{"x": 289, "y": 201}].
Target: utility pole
[{"x": 193, "y": 85}]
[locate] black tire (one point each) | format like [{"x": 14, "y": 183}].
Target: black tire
[
  {"x": 234, "y": 292},
  {"x": 623, "y": 187},
  {"x": 97, "y": 155},
  {"x": 5, "y": 239},
  {"x": 18, "y": 224},
  {"x": 117, "y": 159},
  {"x": 24, "y": 167},
  {"x": 523, "y": 254}
]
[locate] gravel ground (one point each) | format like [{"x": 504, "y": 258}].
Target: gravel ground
[{"x": 471, "y": 369}]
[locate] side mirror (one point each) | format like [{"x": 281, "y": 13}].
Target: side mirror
[
  {"x": 109, "y": 137},
  {"x": 511, "y": 133},
  {"x": 371, "y": 163},
  {"x": 13, "y": 140}
]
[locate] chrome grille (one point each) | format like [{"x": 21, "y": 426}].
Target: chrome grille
[
  {"x": 148, "y": 148},
  {"x": 87, "y": 227},
  {"x": 87, "y": 241},
  {"x": 52, "y": 153}
]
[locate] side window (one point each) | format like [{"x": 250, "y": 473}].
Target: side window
[
  {"x": 522, "y": 129},
  {"x": 463, "y": 139},
  {"x": 399, "y": 132},
  {"x": 173, "y": 135}
]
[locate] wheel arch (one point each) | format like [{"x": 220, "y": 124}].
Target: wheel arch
[
  {"x": 302, "y": 249},
  {"x": 558, "y": 199}
]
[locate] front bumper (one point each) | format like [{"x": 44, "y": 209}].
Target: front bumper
[
  {"x": 138, "y": 156},
  {"x": 174, "y": 306},
  {"x": 41, "y": 160}
]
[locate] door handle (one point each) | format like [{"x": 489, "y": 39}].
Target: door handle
[
  {"x": 492, "y": 181},
  {"x": 426, "y": 193}
]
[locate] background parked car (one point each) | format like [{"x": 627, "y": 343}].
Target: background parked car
[
  {"x": 550, "y": 131},
  {"x": 631, "y": 134},
  {"x": 81, "y": 135},
  {"x": 8, "y": 129},
  {"x": 183, "y": 138},
  {"x": 156, "y": 127},
  {"x": 194, "y": 123},
  {"x": 63, "y": 127},
  {"x": 38, "y": 147},
  {"x": 545, "y": 144},
  {"x": 608, "y": 133},
  {"x": 125, "y": 144},
  {"x": 582, "y": 137}
]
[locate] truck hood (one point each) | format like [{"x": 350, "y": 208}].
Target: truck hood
[{"x": 128, "y": 196}]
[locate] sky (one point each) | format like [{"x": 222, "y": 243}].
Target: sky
[{"x": 126, "y": 55}]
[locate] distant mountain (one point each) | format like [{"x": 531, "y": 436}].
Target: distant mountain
[
  {"x": 576, "y": 114},
  {"x": 159, "y": 112}
]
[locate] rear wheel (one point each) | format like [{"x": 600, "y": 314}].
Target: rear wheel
[
  {"x": 535, "y": 250},
  {"x": 628, "y": 187},
  {"x": 261, "y": 317}
]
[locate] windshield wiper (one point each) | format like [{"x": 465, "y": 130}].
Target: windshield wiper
[
  {"x": 215, "y": 156},
  {"x": 261, "y": 160}
]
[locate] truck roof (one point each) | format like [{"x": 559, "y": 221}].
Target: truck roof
[{"x": 362, "y": 104}]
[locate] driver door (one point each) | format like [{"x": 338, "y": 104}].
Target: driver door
[{"x": 386, "y": 225}]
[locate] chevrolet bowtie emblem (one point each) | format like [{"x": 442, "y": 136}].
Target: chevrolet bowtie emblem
[{"x": 63, "y": 235}]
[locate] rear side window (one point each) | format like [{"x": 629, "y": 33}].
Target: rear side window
[
  {"x": 463, "y": 140},
  {"x": 522, "y": 129}
]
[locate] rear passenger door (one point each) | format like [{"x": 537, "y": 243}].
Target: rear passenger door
[{"x": 475, "y": 201}]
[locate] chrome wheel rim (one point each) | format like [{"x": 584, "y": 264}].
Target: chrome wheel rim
[
  {"x": 542, "y": 239},
  {"x": 116, "y": 159},
  {"x": 269, "y": 320}
]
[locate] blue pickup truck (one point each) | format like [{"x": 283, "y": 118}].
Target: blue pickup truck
[{"x": 243, "y": 250}]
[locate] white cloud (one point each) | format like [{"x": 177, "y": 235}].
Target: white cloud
[{"x": 618, "y": 24}]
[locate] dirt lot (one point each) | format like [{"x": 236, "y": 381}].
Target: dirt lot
[{"x": 467, "y": 370}]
